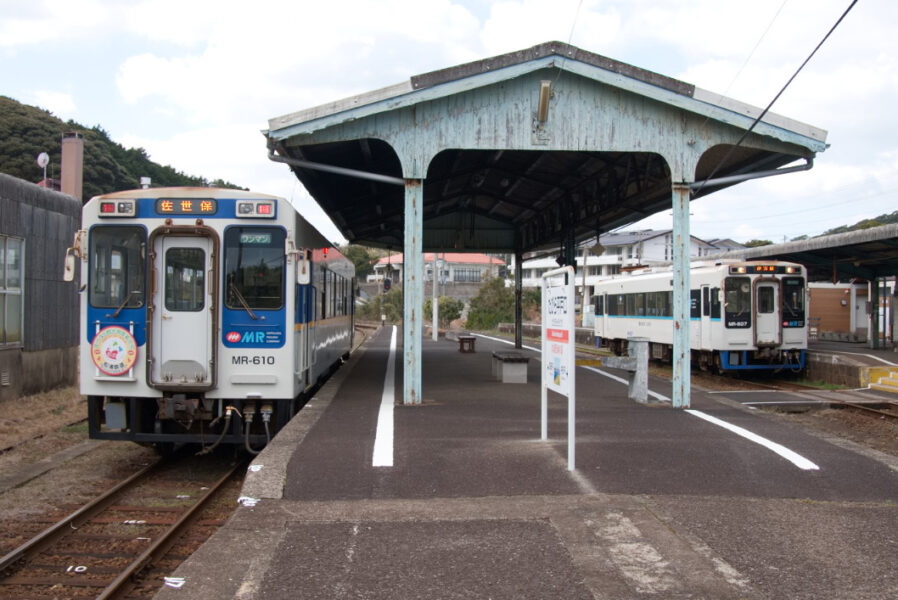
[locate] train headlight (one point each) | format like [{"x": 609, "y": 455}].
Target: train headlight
[
  {"x": 125, "y": 208},
  {"x": 256, "y": 209}
]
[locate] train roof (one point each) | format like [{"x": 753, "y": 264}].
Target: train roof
[{"x": 187, "y": 192}]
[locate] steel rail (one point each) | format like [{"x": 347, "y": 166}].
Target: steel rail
[
  {"x": 881, "y": 413},
  {"x": 163, "y": 542},
  {"x": 54, "y": 532}
]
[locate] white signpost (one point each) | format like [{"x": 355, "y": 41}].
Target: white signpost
[{"x": 558, "y": 360}]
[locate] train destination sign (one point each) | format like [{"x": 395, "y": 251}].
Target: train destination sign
[{"x": 186, "y": 206}]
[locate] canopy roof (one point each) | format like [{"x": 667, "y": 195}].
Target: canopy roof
[{"x": 525, "y": 150}]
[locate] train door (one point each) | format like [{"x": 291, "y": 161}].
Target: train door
[
  {"x": 767, "y": 322},
  {"x": 706, "y": 317},
  {"x": 183, "y": 308},
  {"x": 304, "y": 342}
]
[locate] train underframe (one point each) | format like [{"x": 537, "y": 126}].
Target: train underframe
[
  {"x": 183, "y": 418},
  {"x": 723, "y": 361}
]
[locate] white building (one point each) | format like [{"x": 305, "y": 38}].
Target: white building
[
  {"x": 622, "y": 252},
  {"x": 453, "y": 267}
]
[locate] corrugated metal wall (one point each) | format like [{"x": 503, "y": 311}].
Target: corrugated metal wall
[{"x": 47, "y": 221}]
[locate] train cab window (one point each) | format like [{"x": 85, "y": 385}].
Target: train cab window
[
  {"x": 737, "y": 302},
  {"x": 116, "y": 272},
  {"x": 599, "y": 303},
  {"x": 793, "y": 302},
  {"x": 254, "y": 268},
  {"x": 185, "y": 277}
]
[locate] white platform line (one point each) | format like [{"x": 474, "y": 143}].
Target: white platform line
[
  {"x": 793, "y": 457},
  {"x": 383, "y": 439}
]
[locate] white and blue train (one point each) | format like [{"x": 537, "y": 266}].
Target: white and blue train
[
  {"x": 744, "y": 315},
  {"x": 206, "y": 314}
]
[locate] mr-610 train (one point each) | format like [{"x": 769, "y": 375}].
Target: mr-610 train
[
  {"x": 205, "y": 314},
  {"x": 743, "y": 315}
]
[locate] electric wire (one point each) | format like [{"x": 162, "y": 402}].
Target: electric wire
[{"x": 757, "y": 120}]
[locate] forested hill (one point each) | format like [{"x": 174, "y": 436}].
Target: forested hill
[{"x": 26, "y": 131}]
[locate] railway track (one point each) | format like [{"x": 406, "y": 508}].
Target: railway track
[{"x": 100, "y": 550}]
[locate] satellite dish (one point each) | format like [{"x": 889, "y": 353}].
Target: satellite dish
[{"x": 43, "y": 159}]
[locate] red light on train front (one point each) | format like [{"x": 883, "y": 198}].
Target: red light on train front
[
  {"x": 264, "y": 209},
  {"x": 107, "y": 208}
]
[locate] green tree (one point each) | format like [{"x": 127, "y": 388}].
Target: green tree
[
  {"x": 362, "y": 257},
  {"x": 449, "y": 308},
  {"x": 756, "y": 243},
  {"x": 494, "y": 304},
  {"x": 27, "y": 131}
]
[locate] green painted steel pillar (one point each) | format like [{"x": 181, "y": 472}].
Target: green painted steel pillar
[
  {"x": 413, "y": 291},
  {"x": 682, "y": 363}
]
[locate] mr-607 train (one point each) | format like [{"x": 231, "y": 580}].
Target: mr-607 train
[
  {"x": 743, "y": 315},
  {"x": 205, "y": 314}
]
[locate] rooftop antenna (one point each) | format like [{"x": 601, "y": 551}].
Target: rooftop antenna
[{"x": 43, "y": 159}]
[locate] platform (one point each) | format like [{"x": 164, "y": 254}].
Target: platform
[{"x": 720, "y": 501}]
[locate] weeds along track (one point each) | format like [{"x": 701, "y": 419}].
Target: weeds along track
[{"x": 123, "y": 542}]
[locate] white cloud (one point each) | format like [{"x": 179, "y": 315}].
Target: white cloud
[
  {"x": 31, "y": 22},
  {"x": 60, "y": 104}
]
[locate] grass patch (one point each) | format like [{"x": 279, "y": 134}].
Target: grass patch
[
  {"x": 76, "y": 428},
  {"x": 820, "y": 384}
]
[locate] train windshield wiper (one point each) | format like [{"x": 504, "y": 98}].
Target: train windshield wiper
[
  {"x": 242, "y": 301},
  {"x": 124, "y": 302}
]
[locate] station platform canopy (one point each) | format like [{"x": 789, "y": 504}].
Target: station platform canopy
[
  {"x": 500, "y": 175},
  {"x": 532, "y": 150},
  {"x": 868, "y": 254}
]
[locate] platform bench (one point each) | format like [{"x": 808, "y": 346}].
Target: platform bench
[
  {"x": 466, "y": 343},
  {"x": 510, "y": 367}
]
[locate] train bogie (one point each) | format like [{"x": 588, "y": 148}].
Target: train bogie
[{"x": 205, "y": 314}]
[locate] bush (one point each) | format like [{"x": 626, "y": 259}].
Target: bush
[
  {"x": 494, "y": 304},
  {"x": 389, "y": 304},
  {"x": 450, "y": 309}
]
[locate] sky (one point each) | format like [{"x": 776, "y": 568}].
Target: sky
[{"x": 194, "y": 82}]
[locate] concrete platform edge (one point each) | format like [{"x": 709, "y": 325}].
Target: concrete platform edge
[{"x": 267, "y": 473}]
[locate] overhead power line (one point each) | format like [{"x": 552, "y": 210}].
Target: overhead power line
[{"x": 775, "y": 98}]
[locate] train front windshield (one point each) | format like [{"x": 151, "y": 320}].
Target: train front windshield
[
  {"x": 793, "y": 302},
  {"x": 118, "y": 257},
  {"x": 254, "y": 267}
]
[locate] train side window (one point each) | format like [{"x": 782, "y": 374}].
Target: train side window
[
  {"x": 599, "y": 303},
  {"x": 613, "y": 305},
  {"x": 118, "y": 258},
  {"x": 639, "y": 304}
]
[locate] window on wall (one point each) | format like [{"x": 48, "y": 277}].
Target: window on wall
[
  {"x": 467, "y": 275},
  {"x": 11, "y": 279}
]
